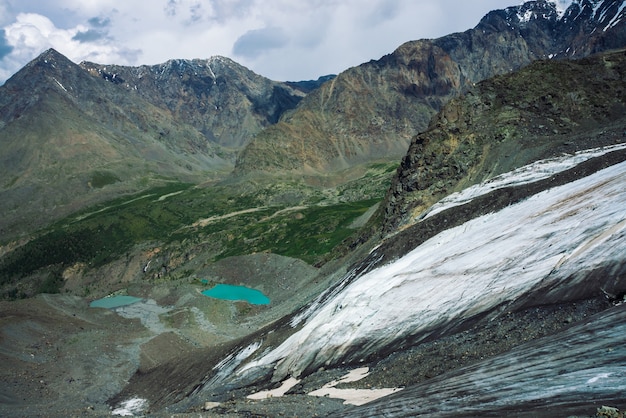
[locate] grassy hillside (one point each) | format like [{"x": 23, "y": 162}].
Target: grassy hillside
[{"x": 287, "y": 218}]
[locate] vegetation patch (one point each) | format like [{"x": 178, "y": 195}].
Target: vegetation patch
[
  {"x": 99, "y": 179},
  {"x": 286, "y": 218},
  {"x": 308, "y": 234}
]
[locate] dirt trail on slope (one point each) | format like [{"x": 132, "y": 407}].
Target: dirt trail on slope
[{"x": 206, "y": 221}]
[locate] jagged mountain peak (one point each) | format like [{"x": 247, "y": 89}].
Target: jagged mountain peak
[
  {"x": 51, "y": 62},
  {"x": 210, "y": 68},
  {"x": 603, "y": 13},
  {"x": 51, "y": 65},
  {"x": 52, "y": 54},
  {"x": 50, "y": 74},
  {"x": 534, "y": 10},
  {"x": 224, "y": 100}
]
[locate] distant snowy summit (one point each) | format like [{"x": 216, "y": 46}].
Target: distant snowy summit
[{"x": 604, "y": 13}]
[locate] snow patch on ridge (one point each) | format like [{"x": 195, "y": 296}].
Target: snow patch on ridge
[
  {"x": 60, "y": 85},
  {"x": 616, "y": 19},
  {"x": 528, "y": 14},
  {"x": 538, "y": 170},
  {"x": 561, "y": 6}
]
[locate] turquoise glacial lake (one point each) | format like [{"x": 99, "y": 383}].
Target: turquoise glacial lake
[
  {"x": 230, "y": 292},
  {"x": 112, "y": 302}
]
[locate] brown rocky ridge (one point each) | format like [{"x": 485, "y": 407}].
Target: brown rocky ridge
[{"x": 371, "y": 112}]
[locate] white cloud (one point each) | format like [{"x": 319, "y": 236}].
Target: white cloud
[
  {"x": 32, "y": 34},
  {"x": 301, "y": 40},
  {"x": 336, "y": 36}
]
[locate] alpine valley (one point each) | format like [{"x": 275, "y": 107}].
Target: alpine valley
[{"x": 438, "y": 232}]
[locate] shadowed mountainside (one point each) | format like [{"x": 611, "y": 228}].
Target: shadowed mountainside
[{"x": 223, "y": 100}]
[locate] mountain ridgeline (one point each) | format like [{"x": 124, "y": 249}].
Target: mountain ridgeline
[
  {"x": 205, "y": 120},
  {"x": 87, "y": 133},
  {"x": 372, "y": 111},
  {"x": 223, "y": 100}
]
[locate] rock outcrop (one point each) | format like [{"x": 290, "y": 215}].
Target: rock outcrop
[{"x": 549, "y": 108}]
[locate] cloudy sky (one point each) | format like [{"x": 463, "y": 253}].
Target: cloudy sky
[{"x": 279, "y": 39}]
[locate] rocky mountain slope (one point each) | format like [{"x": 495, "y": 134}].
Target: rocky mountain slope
[
  {"x": 223, "y": 100},
  {"x": 83, "y": 134},
  {"x": 473, "y": 290},
  {"x": 548, "y": 109},
  {"x": 372, "y": 111}
]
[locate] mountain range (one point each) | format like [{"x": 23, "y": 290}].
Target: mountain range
[
  {"x": 505, "y": 295},
  {"x": 441, "y": 231},
  {"x": 191, "y": 120},
  {"x": 404, "y": 89},
  {"x": 132, "y": 127}
]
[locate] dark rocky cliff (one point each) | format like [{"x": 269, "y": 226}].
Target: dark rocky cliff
[{"x": 544, "y": 110}]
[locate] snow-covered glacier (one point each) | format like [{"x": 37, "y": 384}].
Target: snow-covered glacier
[{"x": 553, "y": 243}]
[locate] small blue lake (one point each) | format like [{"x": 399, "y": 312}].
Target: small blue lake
[
  {"x": 112, "y": 302},
  {"x": 230, "y": 292}
]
